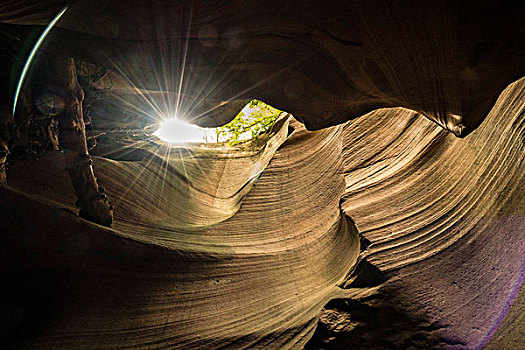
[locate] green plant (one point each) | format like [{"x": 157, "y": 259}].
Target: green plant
[{"x": 254, "y": 121}]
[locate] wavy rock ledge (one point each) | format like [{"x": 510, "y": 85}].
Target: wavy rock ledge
[
  {"x": 446, "y": 220},
  {"x": 248, "y": 281}
]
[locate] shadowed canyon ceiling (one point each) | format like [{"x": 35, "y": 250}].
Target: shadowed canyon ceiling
[{"x": 383, "y": 209}]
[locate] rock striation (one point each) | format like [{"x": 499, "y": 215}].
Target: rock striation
[{"x": 383, "y": 231}]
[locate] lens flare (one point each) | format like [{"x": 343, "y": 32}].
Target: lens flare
[{"x": 32, "y": 55}]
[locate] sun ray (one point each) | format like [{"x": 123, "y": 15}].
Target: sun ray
[{"x": 183, "y": 68}]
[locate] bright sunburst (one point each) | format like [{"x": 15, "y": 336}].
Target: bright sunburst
[{"x": 174, "y": 130}]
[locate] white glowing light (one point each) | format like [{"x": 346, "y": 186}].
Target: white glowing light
[{"x": 174, "y": 130}]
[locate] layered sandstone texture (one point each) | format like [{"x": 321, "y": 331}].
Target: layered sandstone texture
[{"x": 380, "y": 229}]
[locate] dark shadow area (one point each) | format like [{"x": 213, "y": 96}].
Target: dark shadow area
[
  {"x": 378, "y": 322},
  {"x": 28, "y": 305},
  {"x": 365, "y": 275}
]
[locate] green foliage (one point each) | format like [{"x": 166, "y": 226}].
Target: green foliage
[{"x": 252, "y": 123}]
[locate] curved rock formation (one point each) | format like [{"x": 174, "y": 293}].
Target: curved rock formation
[
  {"x": 248, "y": 281},
  {"x": 278, "y": 262},
  {"x": 446, "y": 215}
]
